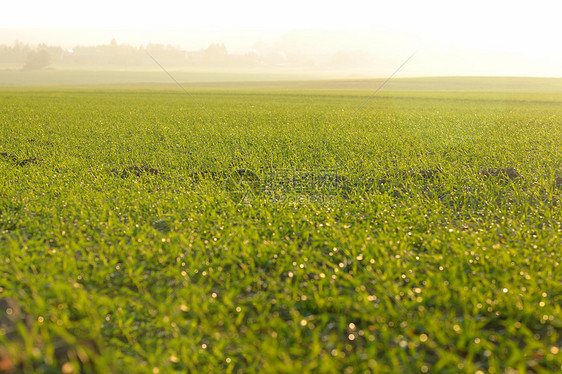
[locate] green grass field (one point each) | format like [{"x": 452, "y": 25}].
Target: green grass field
[{"x": 418, "y": 233}]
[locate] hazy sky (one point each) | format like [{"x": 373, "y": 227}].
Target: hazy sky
[{"x": 529, "y": 30}]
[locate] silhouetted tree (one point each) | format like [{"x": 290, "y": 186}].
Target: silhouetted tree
[
  {"x": 36, "y": 60},
  {"x": 215, "y": 53}
]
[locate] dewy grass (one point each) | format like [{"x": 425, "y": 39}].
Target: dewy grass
[{"x": 414, "y": 261}]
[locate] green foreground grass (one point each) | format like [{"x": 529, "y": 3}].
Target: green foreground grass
[{"x": 392, "y": 272}]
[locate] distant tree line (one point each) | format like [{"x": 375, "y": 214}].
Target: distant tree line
[
  {"x": 41, "y": 56},
  {"x": 113, "y": 54},
  {"x": 28, "y": 56}
]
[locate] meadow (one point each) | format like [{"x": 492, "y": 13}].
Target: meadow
[{"x": 420, "y": 232}]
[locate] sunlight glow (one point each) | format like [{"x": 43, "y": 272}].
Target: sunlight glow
[{"x": 531, "y": 30}]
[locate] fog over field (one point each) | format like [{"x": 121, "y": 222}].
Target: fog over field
[
  {"x": 368, "y": 39},
  {"x": 363, "y": 53}
]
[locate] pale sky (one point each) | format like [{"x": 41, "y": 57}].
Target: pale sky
[{"x": 529, "y": 29}]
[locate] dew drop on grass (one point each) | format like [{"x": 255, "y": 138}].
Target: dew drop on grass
[{"x": 67, "y": 368}]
